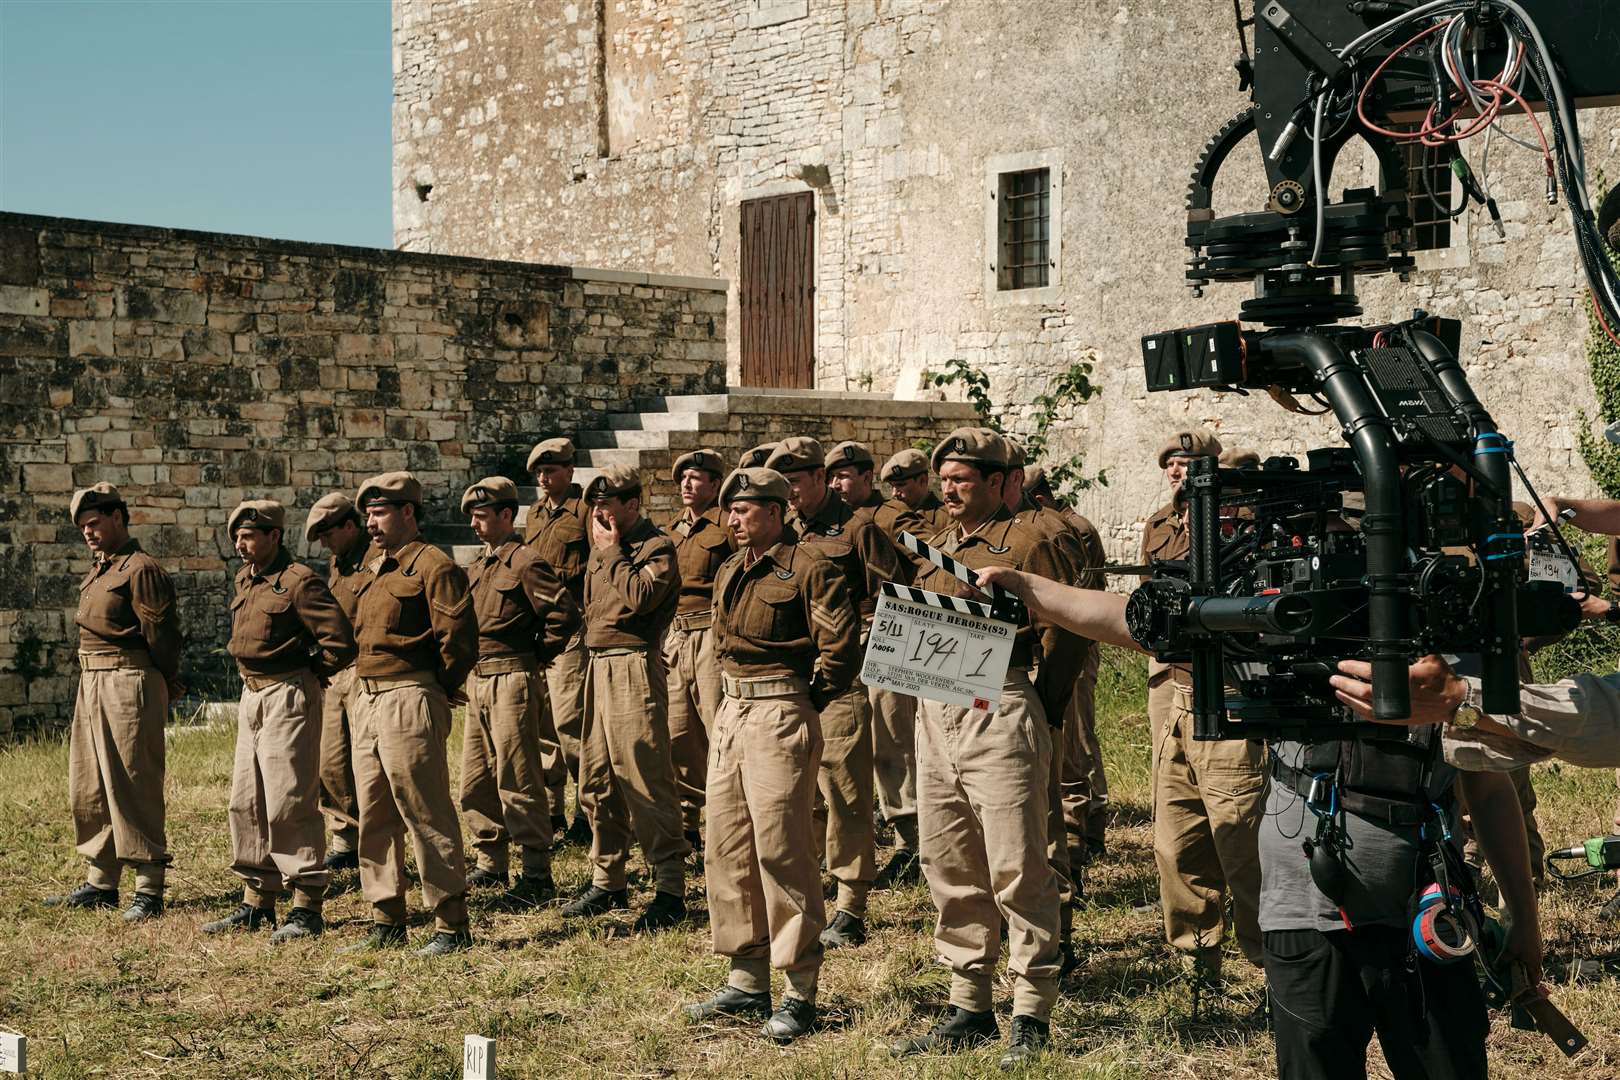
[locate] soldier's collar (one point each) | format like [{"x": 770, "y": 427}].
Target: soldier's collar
[
  {"x": 404, "y": 558},
  {"x": 129, "y": 547},
  {"x": 573, "y": 494},
  {"x": 994, "y": 525},
  {"x": 505, "y": 550},
  {"x": 874, "y": 497},
  {"x": 277, "y": 566}
]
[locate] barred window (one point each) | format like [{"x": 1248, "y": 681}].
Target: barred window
[
  {"x": 1025, "y": 260},
  {"x": 1429, "y": 198}
]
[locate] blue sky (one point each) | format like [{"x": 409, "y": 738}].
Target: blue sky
[{"x": 267, "y": 117}]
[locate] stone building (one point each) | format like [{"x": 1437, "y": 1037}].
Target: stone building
[{"x": 856, "y": 168}]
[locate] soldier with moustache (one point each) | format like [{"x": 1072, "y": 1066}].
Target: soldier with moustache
[
  {"x": 867, "y": 558},
  {"x": 788, "y": 642},
  {"x": 129, "y": 673},
  {"x": 906, "y": 473},
  {"x": 289, "y": 637},
  {"x": 702, "y": 544},
  {"x": 525, "y": 618}
]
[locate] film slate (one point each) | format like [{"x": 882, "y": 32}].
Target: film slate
[{"x": 943, "y": 648}]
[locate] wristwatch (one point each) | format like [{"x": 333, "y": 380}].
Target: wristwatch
[
  {"x": 1611, "y": 614},
  {"x": 1468, "y": 712}
]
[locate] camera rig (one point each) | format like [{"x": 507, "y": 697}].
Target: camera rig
[{"x": 1282, "y": 580}]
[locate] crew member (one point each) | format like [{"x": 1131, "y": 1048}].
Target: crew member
[
  {"x": 906, "y": 473},
  {"x": 788, "y": 642}
]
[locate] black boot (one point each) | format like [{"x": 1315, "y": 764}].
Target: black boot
[
  {"x": 342, "y": 860},
  {"x": 729, "y": 1001},
  {"x": 846, "y": 931},
  {"x": 245, "y": 917},
  {"x": 145, "y": 906},
  {"x": 444, "y": 942},
  {"x": 85, "y": 896},
  {"x": 795, "y": 1018},
  {"x": 578, "y": 834},
  {"x": 596, "y": 901},
  {"x": 903, "y": 868},
  {"x": 484, "y": 878},
  {"x": 528, "y": 892},
  {"x": 301, "y": 923},
  {"x": 382, "y": 936},
  {"x": 1029, "y": 1038},
  {"x": 961, "y": 1030},
  {"x": 665, "y": 910}
]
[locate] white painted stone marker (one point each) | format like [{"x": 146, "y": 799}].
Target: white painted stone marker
[
  {"x": 478, "y": 1058},
  {"x": 14, "y": 1052}
]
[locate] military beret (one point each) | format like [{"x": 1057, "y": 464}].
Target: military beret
[
  {"x": 1035, "y": 482},
  {"x": 1193, "y": 442},
  {"x": 757, "y": 457},
  {"x": 755, "y": 485},
  {"x": 622, "y": 481},
  {"x": 795, "y": 454},
  {"x": 551, "y": 452},
  {"x": 1016, "y": 458},
  {"x": 705, "y": 459},
  {"x": 490, "y": 491},
  {"x": 102, "y": 496},
  {"x": 1239, "y": 457},
  {"x": 265, "y": 514},
  {"x": 850, "y": 453},
  {"x": 327, "y": 512},
  {"x": 389, "y": 487},
  {"x": 904, "y": 465},
  {"x": 974, "y": 445}
]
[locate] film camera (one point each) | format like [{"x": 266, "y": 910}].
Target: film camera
[{"x": 1286, "y": 574}]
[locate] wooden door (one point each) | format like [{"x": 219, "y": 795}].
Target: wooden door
[{"x": 776, "y": 291}]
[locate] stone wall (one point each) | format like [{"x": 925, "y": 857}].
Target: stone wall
[{"x": 193, "y": 370}]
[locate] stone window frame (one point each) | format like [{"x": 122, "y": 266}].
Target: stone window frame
[{"x": 995, "y": 167}]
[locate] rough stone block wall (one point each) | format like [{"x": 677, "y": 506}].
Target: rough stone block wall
[{"x": 193, "y": 370}]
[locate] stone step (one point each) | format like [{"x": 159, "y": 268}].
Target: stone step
[
  {"x": 624, "y": 439},
  {"x": 701, "y": 403},
  {"x": 681, "y": 420}
]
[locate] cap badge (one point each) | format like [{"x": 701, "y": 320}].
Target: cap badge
[
  {"x": 1186, "y": 441},
  {"x": 959, "y": 446},
  {"x": 742, "y": 483}
]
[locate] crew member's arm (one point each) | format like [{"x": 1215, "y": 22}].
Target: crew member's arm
[
  {"x": 455, "y": 626},
  {"x": 1090, "y": 613},
  {"x": 318, "y": 610},
  {"x": 642, "y": 588},
  {"x": 151, "y": 593},
  {"x": 559, "y": 615},
  {"x": 1593, "y": 515},
  {"x": 1499, "y": 829},
  {"x": 834, "y": 628}
]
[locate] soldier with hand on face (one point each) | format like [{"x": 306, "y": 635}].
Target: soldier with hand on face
[
  {"x": 525, "y": 619},
  {"x": 129, "y": 661},
  {"x": 789, "y": 642},
  {"x": 289, "y": 637},
  {"x": 907, "y": 475}
]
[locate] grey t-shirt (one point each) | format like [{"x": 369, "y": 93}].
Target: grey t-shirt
[{"x": 1384, "y": 862}]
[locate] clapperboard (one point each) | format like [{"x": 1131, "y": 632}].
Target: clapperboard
[{"x": 928, "y": 645}]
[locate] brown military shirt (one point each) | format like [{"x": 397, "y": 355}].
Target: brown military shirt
[
  {"x": 631, "y": 591},
  {"x": 702, "y": 543},
  {"x": 1006, "y": 541},
  {"x": 856, "y": 546},
  {"x": 286, "y": 619},
  {"x": 415, "y": 614},
  {"x": 1165, "y": 537},
  {"x": 1055, "y": 527},
  {"x": 126, "y": 604},
  {"x": 932, "y": 509},
  {"x": 895, "y": 517},
  {"x": 348, "y": 573},
  {"x": 522, "y": 607},
  {"x": 561, "y": 535},
  {"x": 787, "y": 613}
]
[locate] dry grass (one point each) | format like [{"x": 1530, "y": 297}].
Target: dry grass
[{"x": 97, "y": 998}]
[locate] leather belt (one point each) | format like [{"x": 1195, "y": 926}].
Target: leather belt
[
  {"x": 265, "y": 682},
  {"x": 501, "y": 665},
  {"x": 694, "y": 620},
  {"x": 111, "y": 661},
  {"x": 763, "y": 686},
  {"x": 376, "y": 684},
  {"x": 618, "y": 650}
]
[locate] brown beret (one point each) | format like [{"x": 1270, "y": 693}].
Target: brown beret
[
  {"x": 102, "y": 496},
  {"x": 389, "y": 487},
  {"x": 1193, "y": 442},
  {"x": 490, "y": 491},
  {"x": 754, "y": 485},
  {"x": 620, "y": 480},
  {"x": 551, "y": 452},
  {"x": 757, "y": 457},
  {"x": 1239, "y": 457},
  {"x": 904, "y": 465},
  {"x": 974, "y": 445},
  {"x": 795, "y": 454},
  {"x": 705, "y": 459},
  {"x": 850, "y": 453},
  {"x": 1016, "y": 458},
  {"x": 327, "y": 511},
  {"x": 265, "y": 514},
  {"x": 1035, "y": 482}
]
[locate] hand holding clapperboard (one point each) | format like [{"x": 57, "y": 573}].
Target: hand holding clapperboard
[{"x": 943, "y": 648}]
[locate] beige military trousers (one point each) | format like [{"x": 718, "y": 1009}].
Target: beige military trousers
[
  {"x": 843, "y": 811},
  {"x": 694, "y": 697},
  {"x": 764, "y": 885},
  {"x": 894, "y": 759},
  {"x": 1208, "y": 801},
  {"x": 278, "y": 840},
  {"x": 338, "y": 804},
  {"x": 626, "y": 776},
  {"x": 402, "y": 780},
  {"x": 983, "y": 801},
  {"x": 503, "y": 794},
  {"x": 1084, "y": 784},
  {"x": 559, "y": 740},
  {"x": 116, "y": 764}
]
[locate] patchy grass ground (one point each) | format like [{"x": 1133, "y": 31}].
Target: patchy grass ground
[{"x": 97, "y": 998}]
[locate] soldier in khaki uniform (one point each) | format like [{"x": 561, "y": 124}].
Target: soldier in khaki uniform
[
  {"x": 288, "y": 636},
  {"x": 849, "y": 470},
  {"x": 129, "y": 660},
  {"x": 906, "y": 473},
  {"x": 757, "y": 457},
  {"x": 418, "y": 640},
  {"x": 702, "y": 543},
  {"x": 788, "y": 642},
  {"x": 1208, "y": 797},
  {"x": 626, "y": 774},
  {"x": 867, "y": 557},
  {"x": 334, "y": 522},
  {"x": 525, "y": 618},
  {"x": 557, "y": 530},
  {"x": 984, "y": 779}
]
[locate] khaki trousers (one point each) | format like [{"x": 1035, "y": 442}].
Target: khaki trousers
[
  {"x": 1085, "y": 785},
  {"x": 982, "y": 805},
  {"x": 694, "y": 697},
  {"x": 338, "y": 804},
  {"x": 277, "y": 836},
  {"x": 894, "y": 756},
  {"x": 626, "y": 777},
  {"x": 115, "y": 771},
  {"x": 502, "y": 770},
  {"x": 402, "y": 779},
  {"x": 559, "y": 742},
  {"x": 1208, "y": 801},
  {"x": 765, "y": 904},
  {"x": 843, "y": 811}
]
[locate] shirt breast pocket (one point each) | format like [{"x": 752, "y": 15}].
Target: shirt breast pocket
[
  {"x": 277, "y": 619},
  {"x": 771, "y": 617},
  {"x": 503, "y": 594},
  {"x": 407, "y": 608}
]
